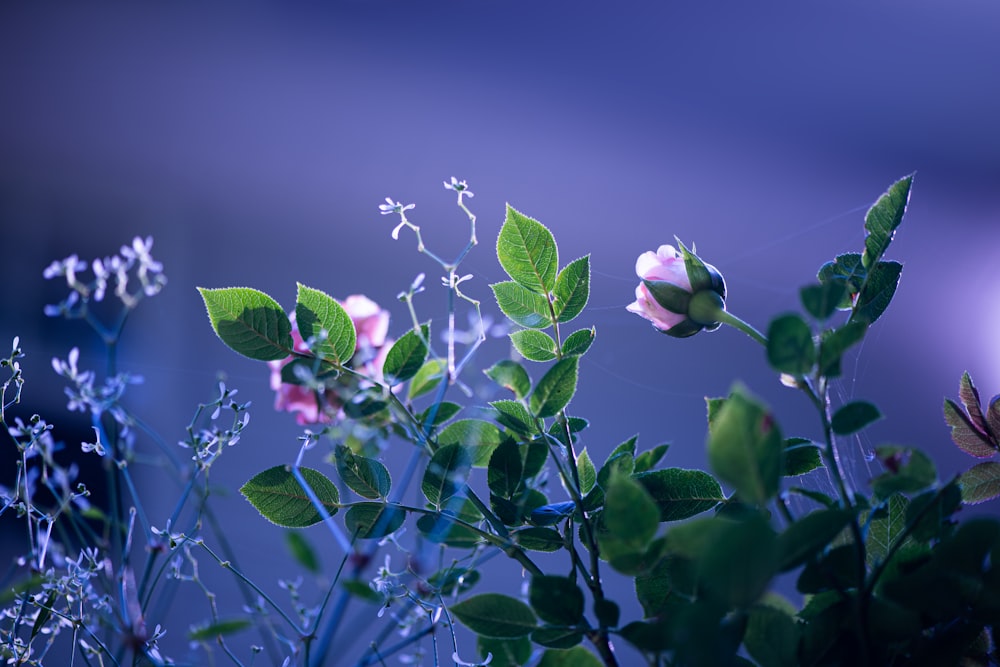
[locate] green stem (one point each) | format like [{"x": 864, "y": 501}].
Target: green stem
[{"x": 726, "y": 317}]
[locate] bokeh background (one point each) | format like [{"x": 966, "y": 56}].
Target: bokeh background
[{"x": 254, "y": 142}]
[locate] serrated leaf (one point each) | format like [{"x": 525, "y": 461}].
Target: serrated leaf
[
  {"x": 878, "y": 290},
  {"x": 790, "y": 347},
  {"x": 249, "y": 322},
  {"x": 853, "y": 417},
  {"x": 280, "y": 498},
  {"x": 572, "y": 289},
  {"x": 801, "y": 456},
  {"x": 406, "y": 356},
  {"x": 504, "y": 471},
  {"x": 427, "y": 378},
  {"x": 522, "y": 306},
  {"x": 527, "y": 252},
  {"x": 554, "y": 391},
  {"x": 883, "y": 218},
  {"x": 578, "y": 342},
  {"x": 372, "y": 521},
  {"x": 556, "y": 600},
  {"x": 446, "y": 473},
  {"x": 479, "y": 437},
  {"x": 980, "y": 483},
  {"x": 967, "y": 437},
  {"x": 680, "y": 493},
  {"x": 218, "y": 629},
  {"x": 302, "y": 551},
  {"x": 885, "y": 528},
  {"x": 495, "y": 615},
  {"x": 510, "y": 375},
  {"x": 534, "y": 345},
  {"x": 969, "y": 396},
  {"x": 317, "y": 311},
  {"x": 745, "y": 447},
  {"x": 366, "y": 477},
  {"x": 586, "y": 472},
  {"x": 514, "y": 416},
  {"x": 438, "y": 413},
  {"x": 822, "y": 300},
  {"x": 846, "y": 267}
]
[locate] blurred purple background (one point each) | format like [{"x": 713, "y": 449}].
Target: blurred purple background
[{"x": 255, "y": 142}]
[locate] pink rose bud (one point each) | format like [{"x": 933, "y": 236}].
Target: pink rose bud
[
  {"x": 371, "y": 323},
  {"x": 679, "y": 293}
]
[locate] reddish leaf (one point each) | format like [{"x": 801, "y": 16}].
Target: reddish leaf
[
  {"x": 970, "y": 399},
  {"x": 967, "y": 437}
]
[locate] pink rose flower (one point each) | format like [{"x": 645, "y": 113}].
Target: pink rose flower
[
  {"x": 666, "y": 264},
  {"x": 372, "y": 325}
]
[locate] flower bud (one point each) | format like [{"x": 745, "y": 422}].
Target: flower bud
[{"x": 679, "y": 293}]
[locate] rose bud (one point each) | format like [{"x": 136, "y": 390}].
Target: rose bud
[{"x": 679, "y": 293}]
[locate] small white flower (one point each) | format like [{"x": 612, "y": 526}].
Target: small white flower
[
  {"x": 97, "y": 447},
  {"x": 458, "y": 186}
]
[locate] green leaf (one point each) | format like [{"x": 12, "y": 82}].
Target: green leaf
[
  {"x": 302, "y": 551},
  {"x": 369, "y": 521},
  {"x": 809, "y": 535},
  {"x": 586, "y": 472},
  {"x": 536, "y": 453},
  {"x": 249, "y": 322},
  {"x": 578, "y": 342},
  {"x": 495, "y": 615},
  {"x": 908, "y": 470},
  {"x": 366, "y": 477},
  {"x": 505, "y": 469},
  {"x": 930, "y": 513},
  {"x": 538, "y": 538},
  {"x": 406, "y": 356},
  {"x": 834, "y": 343},
  {"x": 556, "y": 600},
  {"x": 554, "y": 391},
  {"x": 443, "y": 529},
  {"x": 479, "y": 437},
  {"x": 887, "y": 525},
  {"x": 608, "y": 613},
  {"x": 218, "y": 629},
  {"x": 680, "y": 493},
  {"x": 668, "y": 295},
  {"x": 572, "y": 289},
  {"x": 745, "y": 447},
  {"x": 514, "y": 416},
  {"x": 801, "y": 456},
  {"x": 427, "y": 378},
  {"x": 522, "y": 306},
  {"x": 446, "y": 473},
  {"x": 822, "y": 300},
  {"x": 505, "y": 652},
  {"x": 510, "y": 375},
  {"x": 280, "y": 499},
  {"x": 527, "y": 252},
  {"x": 878, "y": 290},
  {"x": 316, "y": 311},
  {"x": 846, "y": 267},
  {"x": 647, "y": 460},
  {"x": 439, "y": 413},
  {"x": 883, "y": 218},
  {"x": 790, "y": 347},
  {"x": 534, "y": 345},
  {"x": 573, "y": 657},
  {"x": 630, "y": 515},
  {"x": 557, "y": 638},
  {"x": 853, "y": 417},
  {"x": 772, "y": 637},
  {"x": 980, "y": 483}
]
